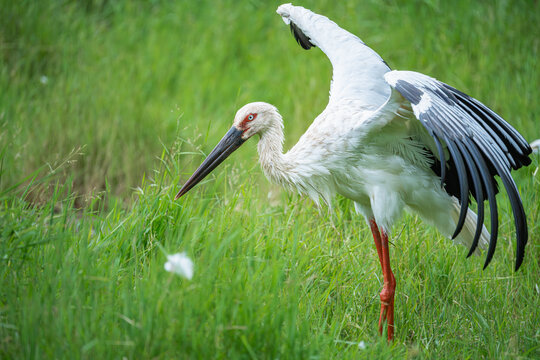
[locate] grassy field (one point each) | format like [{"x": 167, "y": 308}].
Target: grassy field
[{"x": 105, "y": 107}]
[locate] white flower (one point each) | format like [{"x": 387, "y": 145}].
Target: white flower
[
  {"x": 44, "y": 79},
  {"x": 362, "y": 345},
  {"x": 180, "y": 264},
  {"x": 536, "y": 146}
]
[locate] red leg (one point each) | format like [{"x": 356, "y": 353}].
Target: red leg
[
  {"x": 389, "y": 282},
  {"x": 377, "y": 239}
]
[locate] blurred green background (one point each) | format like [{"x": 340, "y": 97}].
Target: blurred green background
[{"x": 106, "y": 106}]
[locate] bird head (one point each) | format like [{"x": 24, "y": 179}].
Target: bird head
[
  {"x": 251, "y": 119},
  {"x": 254, "y": 118}
]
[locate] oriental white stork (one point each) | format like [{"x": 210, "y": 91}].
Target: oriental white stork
[{"x": 388, "y": 140}]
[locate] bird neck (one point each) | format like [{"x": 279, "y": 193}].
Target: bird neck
[{"x": 271, "y": 157}]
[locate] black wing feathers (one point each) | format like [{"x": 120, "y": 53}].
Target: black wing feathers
[
  {"x": 479, "y": 193},
  {"x": 442, "y": 173},
  {"x": 409, "y": 91},
  {"x": 481, "y": 145},
  {"x": 463, "y": 184},
  {"x": 300, "y": 37},
  {"x": 494, "y": 118},
  {"x": 511, "y": 142}
]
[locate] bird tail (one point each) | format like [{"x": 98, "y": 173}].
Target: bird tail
[{"x": 466, "y": 236}]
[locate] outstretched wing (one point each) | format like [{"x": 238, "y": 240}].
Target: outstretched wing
[
  {"x": 357, "y": 70},
  {"x": 480, "y": 143}
]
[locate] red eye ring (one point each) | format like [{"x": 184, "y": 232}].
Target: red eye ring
[{"x": 250, "y": 117}]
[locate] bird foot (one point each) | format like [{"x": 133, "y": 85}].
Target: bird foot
[{"x": 387, "y": 308}]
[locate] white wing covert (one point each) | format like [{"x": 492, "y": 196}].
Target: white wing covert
[{"x": 481, "y": 145}]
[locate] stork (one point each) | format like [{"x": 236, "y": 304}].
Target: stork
[{"x": 388, "y": 140}]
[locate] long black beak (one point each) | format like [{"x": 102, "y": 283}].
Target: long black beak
[{"x": 230, "y": 142}]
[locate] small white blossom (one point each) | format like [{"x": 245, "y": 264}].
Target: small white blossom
[
  {"x": 362, "y": 345},
  {"x": 44, "y": 79},
  {"x": 180, "y": 264}
]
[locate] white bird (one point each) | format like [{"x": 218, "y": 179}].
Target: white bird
[{"x": 388, "y": 140}]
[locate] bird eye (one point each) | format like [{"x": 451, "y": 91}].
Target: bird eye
[{"x": 251, "y": 117}]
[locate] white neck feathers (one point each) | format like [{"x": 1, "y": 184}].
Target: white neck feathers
[{"x": 270, "y": 148}]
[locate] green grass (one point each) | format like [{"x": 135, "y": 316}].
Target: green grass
[{"x": 137, "y": 92}]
